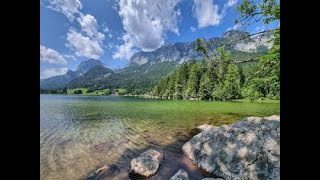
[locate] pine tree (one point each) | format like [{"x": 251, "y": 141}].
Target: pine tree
[
  {"x": 232, "y": 83},
  {"x": 193, "y": 82},
  {"x": 181, "y": 81},
  {"x": 206, "y": 87}
]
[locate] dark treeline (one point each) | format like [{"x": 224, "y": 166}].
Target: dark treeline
[
  {"x": 53, "y": 91},
  {"x": 218, "y": 78}
]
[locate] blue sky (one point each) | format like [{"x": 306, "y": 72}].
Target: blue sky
[{"x": 72, "y": 31}]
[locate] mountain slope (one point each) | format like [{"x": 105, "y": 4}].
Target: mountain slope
[
  {"x": 58, "y": 82},
  {"x": 180, "y": 52},
  {"x": 132, "y": 78},
  {"x": 91, "y": 77},
  {"x": 146, "y": 68}
]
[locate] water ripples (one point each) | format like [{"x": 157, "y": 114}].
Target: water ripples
[{"x": 80, "y": 134}]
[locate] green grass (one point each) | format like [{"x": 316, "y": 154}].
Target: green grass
[
  {"x": 258, "y": 100},
  {"x": 84, "y": 92}
]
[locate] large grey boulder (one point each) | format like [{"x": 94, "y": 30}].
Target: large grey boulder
[
  {"x": 247, "y": 149},
  {"x": 180, "y": 175},
  {"x": 147, "y": 163}
]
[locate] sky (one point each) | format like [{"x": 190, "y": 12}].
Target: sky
[{"x": 72, "y": 31}]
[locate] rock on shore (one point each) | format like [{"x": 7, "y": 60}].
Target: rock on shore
[
  {"x": 247, "y": 149},
  {"x": 147, "y": 163}
]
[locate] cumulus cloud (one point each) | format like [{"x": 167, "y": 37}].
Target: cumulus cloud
[
  {"x": 86, "y": 42},
  {"x": 145, "y": 24},
  {"x": 89, "y": 26},
  {"x": 126, "y": 50},
  {"x": 67, "y": 7},
  {"x": 51, "y": 56},
  {"x": 208, "y": 13},
  {"x": 84, "y": 45},
  {"x": 53, "y": 72}
]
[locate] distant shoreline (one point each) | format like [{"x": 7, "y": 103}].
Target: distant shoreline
[{"x": 152, "y": 97}]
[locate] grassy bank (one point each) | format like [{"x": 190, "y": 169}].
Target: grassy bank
[{"x": 96, "y": 92}]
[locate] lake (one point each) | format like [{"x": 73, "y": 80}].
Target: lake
[{"x": 78, "y": 134}]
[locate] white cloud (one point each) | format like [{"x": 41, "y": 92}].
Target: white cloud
[
  {"x": 69, "y": 56},
  {"x": 110, "y": 35},
  {"x": 84, "y": 45},
  {"x": 193, "y": 29},
  {"x": 208, "y": 14},
  {"x": 145, "y": 23},
  {"x": 87, "y": 42},
  {"x": 51, "y": 56},
  {"x": 231, "y": 3},
  {"x": 53, "y": 72},
  {"x": 66, "y": 7},
  {"x": 89, "y": 26},
  {"x": 126, "y": 50}
]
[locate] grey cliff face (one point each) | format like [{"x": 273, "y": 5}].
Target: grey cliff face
[
  {"x": 85, "y": 66},
  {"x": 185, "y": 51}
]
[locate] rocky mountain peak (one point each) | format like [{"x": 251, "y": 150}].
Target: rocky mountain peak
[{"x": 85, "y": 66}]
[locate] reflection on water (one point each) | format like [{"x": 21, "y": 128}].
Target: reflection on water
[{"x": 78, "y": 134}]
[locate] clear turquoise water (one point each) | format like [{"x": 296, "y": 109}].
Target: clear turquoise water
[{"x": 81, "y": 133}]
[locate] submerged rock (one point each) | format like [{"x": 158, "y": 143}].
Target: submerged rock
[
  {"x": 96, "y": 172},
  {"x": 180, "y": 175},
  {"x": 247, "y": 149},
  {"x": 147, "y": 163}
]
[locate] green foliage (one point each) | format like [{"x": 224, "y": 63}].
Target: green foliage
[
  {"x": 232, "y": 82},
  {"x": 266, "y": 10},
  {"x": 193, "y": 84},
  {"x": 77, "y": 92},
  {"x": 200, "y": 46},
  {"x": 136, "y": 78},
  {"x": 91, "y": 89},
  {"x": 53, "y": 91},
  {"x": 263, "y": 79},
  {"x": 247, "y": 8},
  {"x": 206, "y": 87},
  {"x": 198, "y": 80}
]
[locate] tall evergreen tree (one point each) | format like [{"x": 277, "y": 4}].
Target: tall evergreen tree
[
  {"x": 206, "y": 87},
  {"x": 193, "y": 81}
]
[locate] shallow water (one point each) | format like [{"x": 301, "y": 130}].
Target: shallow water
[{"x": 78, "y": 134}]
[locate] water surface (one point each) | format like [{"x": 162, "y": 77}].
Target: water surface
[{"x": 81, "y": 133}]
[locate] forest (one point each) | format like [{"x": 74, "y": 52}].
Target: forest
[{"x": 222, "y": 77}]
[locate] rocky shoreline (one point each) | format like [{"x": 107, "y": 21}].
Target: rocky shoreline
[{"x": 246, "y": 149}]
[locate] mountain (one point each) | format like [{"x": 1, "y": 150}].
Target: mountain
[
  {"x": 146, "y": 68},
  {"x": 90, "y": 78},
  {"x": 85, "y": 66},
  {"x": 185, "y": 51},
  {"x": 58, "y": 82}
]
